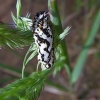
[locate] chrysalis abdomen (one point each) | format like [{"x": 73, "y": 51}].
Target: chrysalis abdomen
[{"x": 43, "y": 38}]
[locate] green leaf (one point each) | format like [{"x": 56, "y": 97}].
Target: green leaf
[
  {"x": 64, "y": 33},
  {"x": 57, "y": 29},
  {"x": 22, "y": 23},
  {"x": 28, "y": 56},
  {"x": 18, "y": 7},
  {"x": 59, "y": 64},
  {"x": 68, "y": 71},
  {"x": 14, "y": 18},
  {"x": 61, "y": 37},
  {"x": 28, "y": 88},
  {"x": 12, "y": 37},
  {"x": 83, "y": 55},
  {"x": 25, "y": 23}
]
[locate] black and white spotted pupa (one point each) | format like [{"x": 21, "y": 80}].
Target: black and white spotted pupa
[{"x": 43, "y": 38}]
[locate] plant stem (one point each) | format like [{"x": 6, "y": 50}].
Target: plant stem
[
  {"x": 58, "y": 27},
  {"x": 56, "y": 22}
]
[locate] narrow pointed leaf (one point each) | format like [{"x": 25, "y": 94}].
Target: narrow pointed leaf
[{"x": 83, "y": 55}]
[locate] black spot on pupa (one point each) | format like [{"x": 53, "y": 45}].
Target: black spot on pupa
[{"x": 40, "y": 39}]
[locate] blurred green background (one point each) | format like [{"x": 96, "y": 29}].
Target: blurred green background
[{"x": 80, "y": 15}]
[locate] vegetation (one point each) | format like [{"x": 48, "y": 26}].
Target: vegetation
[{"x": 20, "y": 35}]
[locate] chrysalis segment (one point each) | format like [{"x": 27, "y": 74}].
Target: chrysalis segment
[{"x": 43, "y": 39}]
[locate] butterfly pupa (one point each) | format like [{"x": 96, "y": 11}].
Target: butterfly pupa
[{"x": 43, "y": 36}]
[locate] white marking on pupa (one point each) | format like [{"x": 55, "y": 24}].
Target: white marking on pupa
[{"x": 44, "y": 39}]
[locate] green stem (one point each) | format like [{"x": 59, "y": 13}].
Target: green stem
[
  {"x": 56, "y": 22},
  {"x": 55, "y": 19},
  {"x": 84, "y": 53}
]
